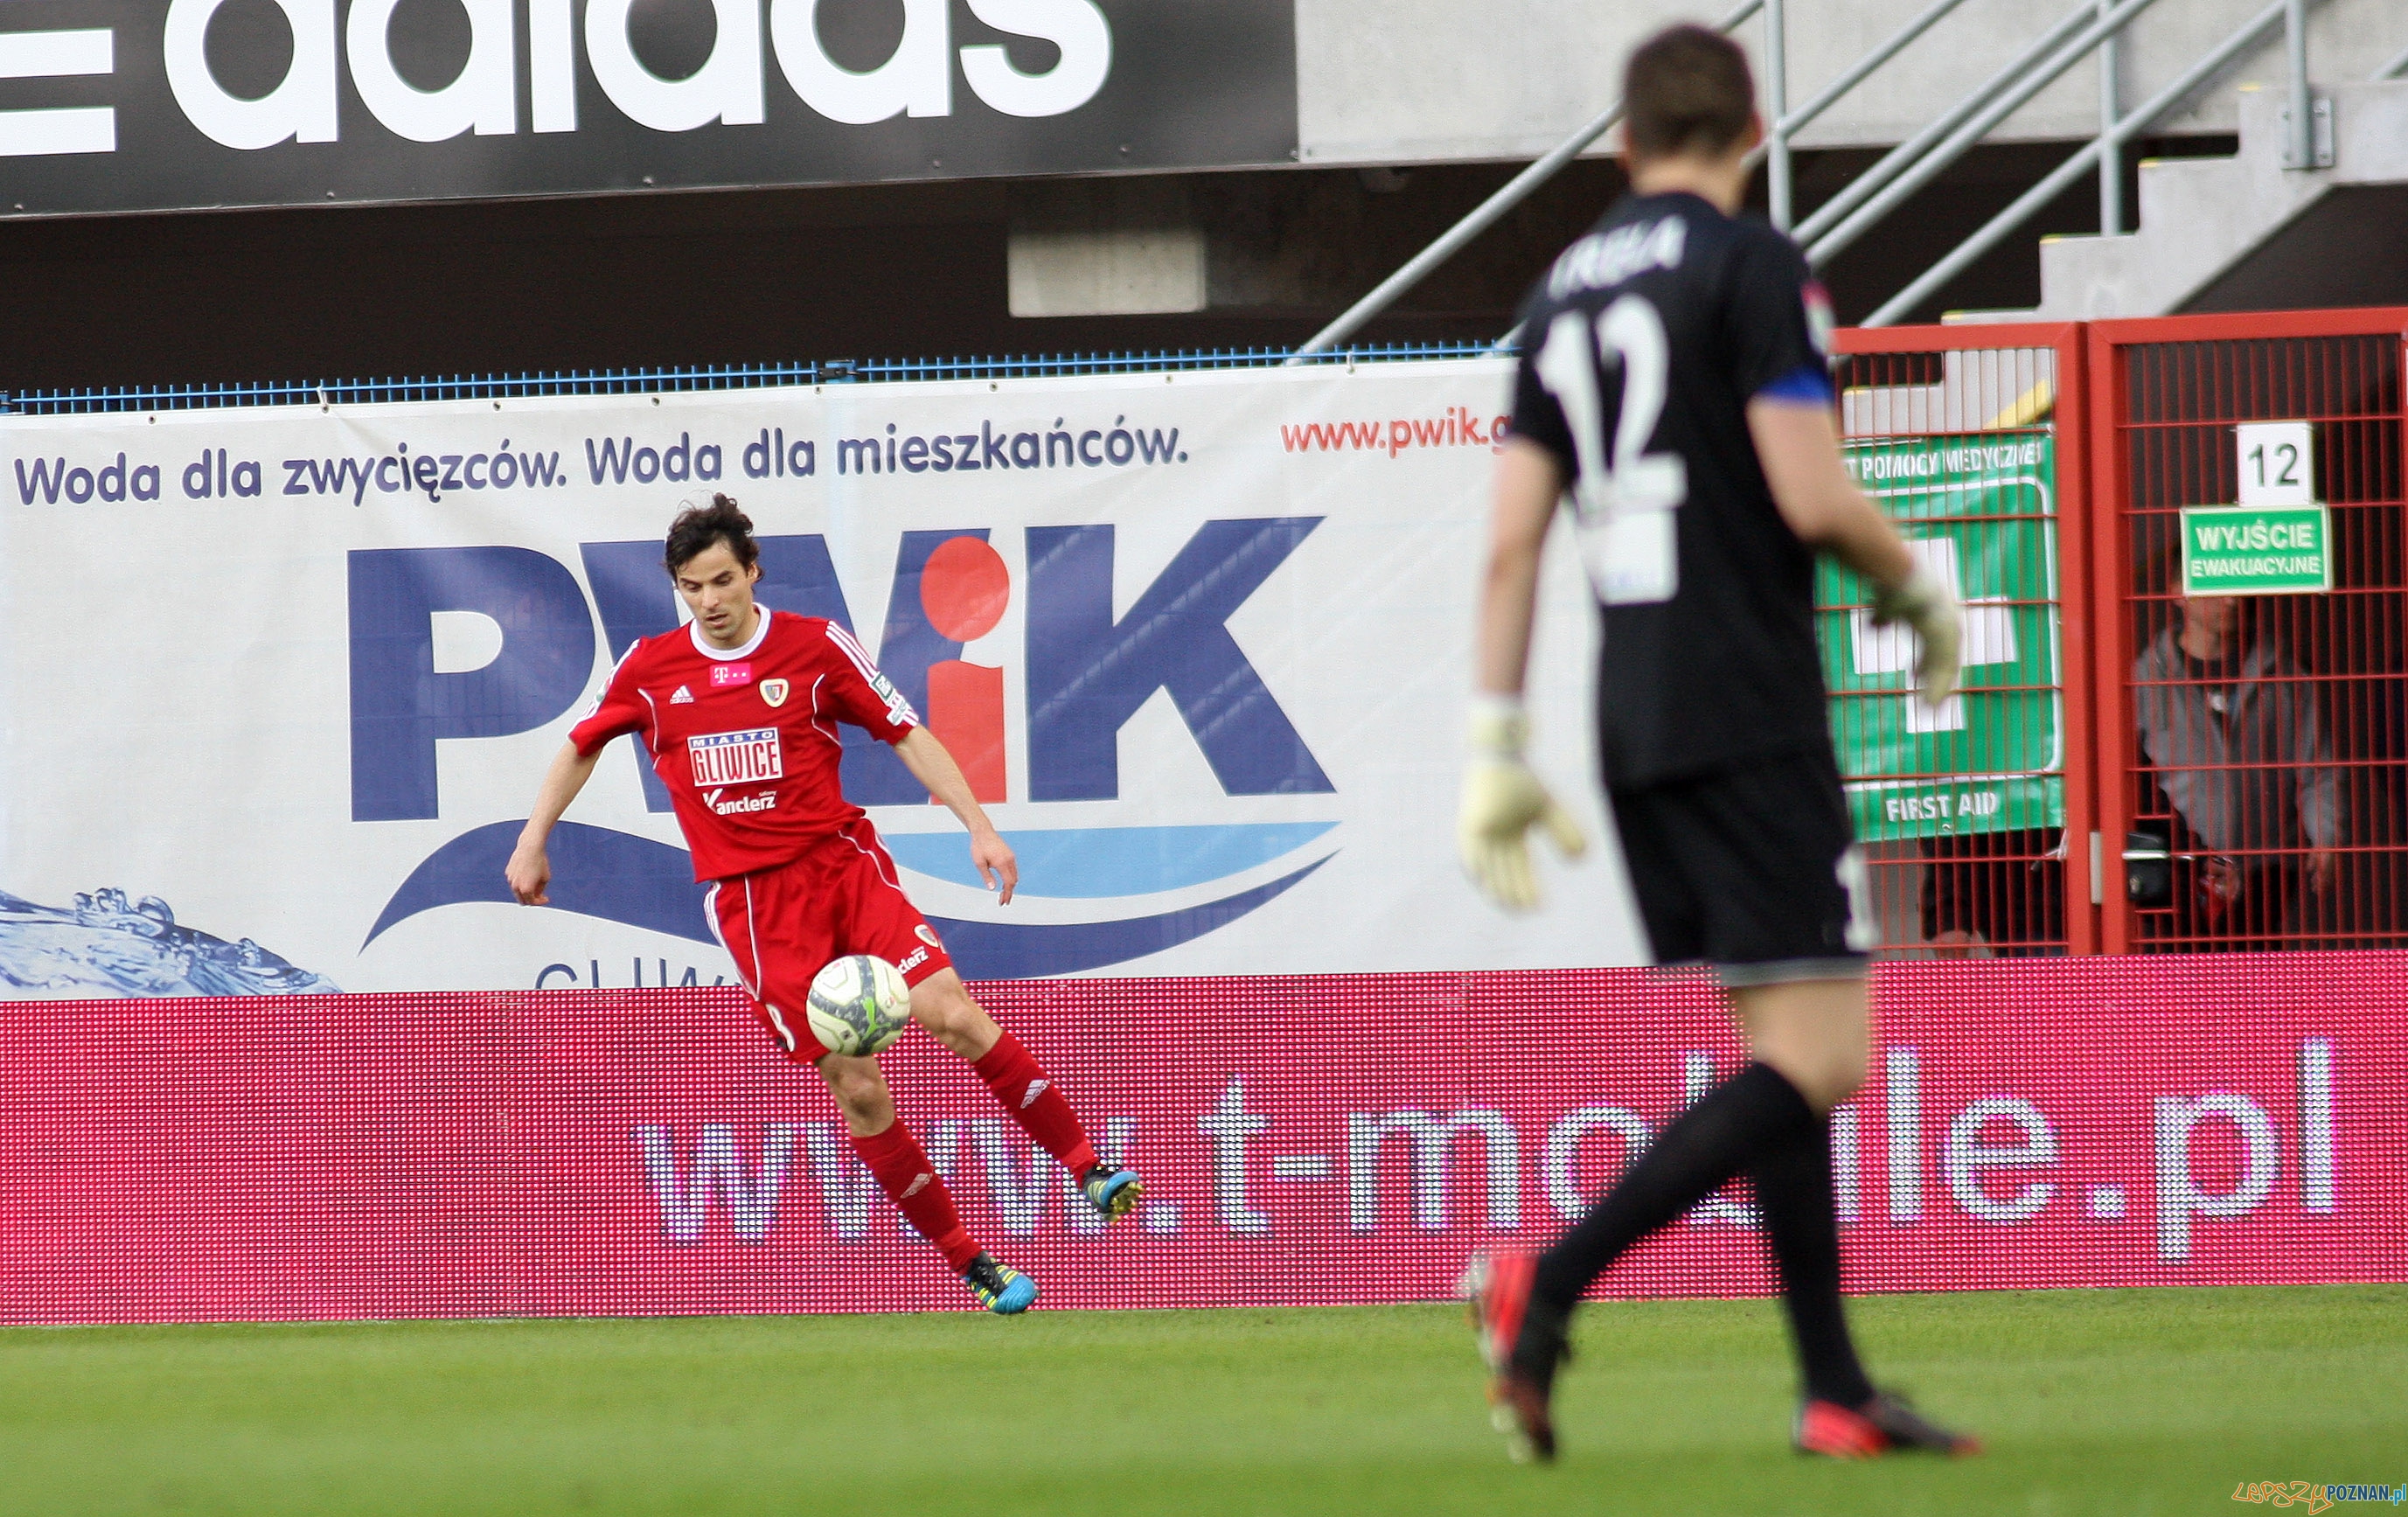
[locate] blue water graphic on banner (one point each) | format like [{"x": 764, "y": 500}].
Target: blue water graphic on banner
[
  {"x": 639, "y": 882},
  {"x": 1093, "y": 863},
  {"x": 1010, "y": 950},
  {"x": 107, "y": 945},
  {"x": 595, "y": 872}
]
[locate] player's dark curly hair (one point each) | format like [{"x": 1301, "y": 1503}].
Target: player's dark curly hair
[
  {"x": 1686, "y": 89},
  {"x": 697, "y": 527}
]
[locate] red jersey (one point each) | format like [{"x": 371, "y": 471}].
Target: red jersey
[{"x": 746, "y": 737}]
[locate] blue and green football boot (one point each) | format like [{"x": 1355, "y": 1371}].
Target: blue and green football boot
[
  {"x": 999, "y": 1288},
  {"x": 1110, "y": 1189}
]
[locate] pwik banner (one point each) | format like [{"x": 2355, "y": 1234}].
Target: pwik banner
[{"x": 282, "y": 681}]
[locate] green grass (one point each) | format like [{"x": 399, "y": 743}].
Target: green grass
[{"x": 2105, "y": 1402}]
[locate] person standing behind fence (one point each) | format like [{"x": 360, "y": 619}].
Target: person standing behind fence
[
  {"x": 2000, "y": 890},
  {"x": 2230, "y": 723}
]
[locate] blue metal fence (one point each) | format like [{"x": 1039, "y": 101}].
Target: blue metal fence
[{"x": 649, "y": 382}]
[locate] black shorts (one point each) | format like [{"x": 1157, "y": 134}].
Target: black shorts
[{"x": 1754, "y": 870}]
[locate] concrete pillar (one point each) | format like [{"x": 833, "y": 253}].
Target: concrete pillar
[{"x": 1105, "y": 246}]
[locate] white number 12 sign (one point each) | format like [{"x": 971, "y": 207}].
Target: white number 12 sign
[{"x": 2277, "y": 462}]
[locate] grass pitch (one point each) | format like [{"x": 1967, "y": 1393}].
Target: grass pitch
[{"x": 2093, "y": 1402}]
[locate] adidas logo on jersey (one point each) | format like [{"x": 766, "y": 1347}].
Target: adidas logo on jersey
[{"x": 683, "y": 697}]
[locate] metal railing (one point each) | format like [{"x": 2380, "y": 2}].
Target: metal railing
[
  {"x": 1483, "y": 216},
  {"x": 1906, "y": 154},
  {"x": 1786, "y": 124},
  {"x": 1827, "y": 234},
  {"x": 667, "y": 380},
  {"x": 2093, "y": 27},
  {"x": 2110, "y": 156},
  {"x": 2105, "y": 151},
  {"x": 2097, "y": 154}
]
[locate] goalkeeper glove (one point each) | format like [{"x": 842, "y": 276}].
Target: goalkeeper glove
[
  {"x": 1928, "y": 605},
  {"x": 1501, "y": 797}
]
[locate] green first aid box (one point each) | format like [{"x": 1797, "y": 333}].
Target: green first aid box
[
  {"x": 1980, "y": 511},
  {"x": 2257, "y": 550}
]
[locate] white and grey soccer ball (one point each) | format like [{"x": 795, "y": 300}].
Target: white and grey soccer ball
[{"x": 859, "y": 1004}]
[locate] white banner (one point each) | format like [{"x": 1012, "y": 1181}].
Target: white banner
[{"x": 280, "y": 682}]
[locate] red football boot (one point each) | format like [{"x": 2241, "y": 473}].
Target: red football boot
[
  {"x": 1881, "y": 1426},
  {"x": 1521, "y": 1348}
]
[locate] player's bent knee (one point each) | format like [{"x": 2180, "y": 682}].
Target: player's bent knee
[
  {"x": 1816, "y": 1033},
  {"x": 1842, "y": 1080},
  {"x": 942, "y": 1005},
  {"x": 1829, "y": 1079},
  {"x": 860, "y": 1091},
  {"x": 1823, "y": 1077},
  {"x": 932, "y": 1007}
]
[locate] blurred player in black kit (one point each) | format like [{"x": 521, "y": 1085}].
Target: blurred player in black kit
[{"x": 1674, "y": 386}]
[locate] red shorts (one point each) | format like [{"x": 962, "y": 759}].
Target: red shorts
[{"x": 783, "y": 925}]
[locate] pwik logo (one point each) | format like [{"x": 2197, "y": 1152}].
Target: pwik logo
[{"x": 1100, "y": 894}]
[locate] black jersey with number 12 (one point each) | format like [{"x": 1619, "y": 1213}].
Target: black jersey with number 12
[{"x": 1641, "y": 348}]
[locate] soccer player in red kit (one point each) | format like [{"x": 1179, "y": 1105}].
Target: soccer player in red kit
[{"x": 740, "y": 711}]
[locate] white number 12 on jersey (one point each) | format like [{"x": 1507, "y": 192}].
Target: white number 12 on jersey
[{"x": 1623, "y": 501}]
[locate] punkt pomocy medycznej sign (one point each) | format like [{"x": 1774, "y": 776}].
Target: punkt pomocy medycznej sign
[{"x": 1979, "y": 511}]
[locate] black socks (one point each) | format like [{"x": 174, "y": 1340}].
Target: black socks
[
  {"x": 1731, "y": 1128},
  {"x": 1793, "y": 1193},
  {"x": 1754, "y": 1121}
]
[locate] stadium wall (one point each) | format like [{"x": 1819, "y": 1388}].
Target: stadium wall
[
  {"x": 1324, "y": 1129},
  {"x": 1311, "y": 1139}
]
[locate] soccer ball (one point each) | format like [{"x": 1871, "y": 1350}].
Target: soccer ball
[{"x": 859, "y": 1005}]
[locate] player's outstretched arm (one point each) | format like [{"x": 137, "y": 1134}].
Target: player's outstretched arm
[
  {"x": 1501, "y": 797},
  {"x": 1529, "y": 482},
  {"x": 530, "y": 869},
  {"x": 933, "y": 768},
  {"x": 1799, "y": 446}
]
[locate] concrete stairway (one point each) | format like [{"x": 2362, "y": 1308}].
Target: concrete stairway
[{"x": 2244, "y": 232}]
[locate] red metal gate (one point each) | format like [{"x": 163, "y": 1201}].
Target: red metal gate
[
  {"x": 2253, "y": 726},
  {"x": 1973, "y": 438}
]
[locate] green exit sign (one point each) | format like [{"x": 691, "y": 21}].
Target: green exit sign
[{"x": 2257, "y": 550}]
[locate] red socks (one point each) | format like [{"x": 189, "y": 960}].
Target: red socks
[
  {"x": 1031, "y": 1098},
  {"x": 911, "y": 1183}
]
